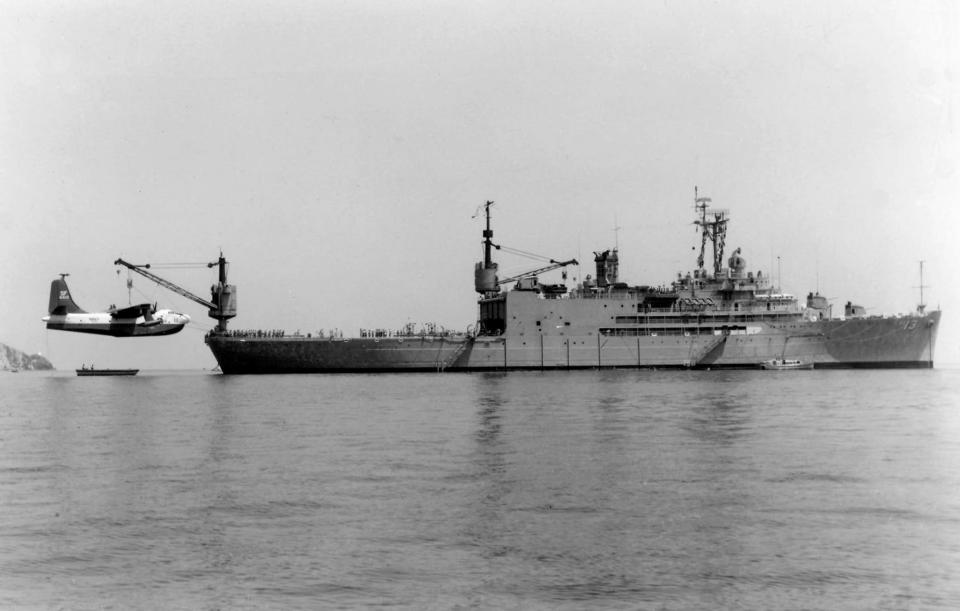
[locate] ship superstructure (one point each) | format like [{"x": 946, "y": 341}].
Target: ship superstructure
[{"x": 715, "y": 317}]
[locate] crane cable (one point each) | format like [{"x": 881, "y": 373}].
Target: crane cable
[
  {"x": 524, "y": 253},
  {"x": 153, "y": 298},
  {"x": 179, "y": 265}
]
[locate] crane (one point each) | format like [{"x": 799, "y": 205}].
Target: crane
[
  {"x": 535, "y": 272},
  {"x": 223, "y": 301}
]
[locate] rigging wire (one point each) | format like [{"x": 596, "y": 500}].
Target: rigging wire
[
  {"x": 179, "y": 265},
  {"x": 193, "y": 325},
  {"x": 145, "y": 296},
  {"x": 524, "y": 253},
  {"x": 152, "y": 298}
]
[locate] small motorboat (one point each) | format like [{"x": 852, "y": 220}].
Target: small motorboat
[
  {"x": 785, "y": 364},
  {"x": 92, "y": 371}
]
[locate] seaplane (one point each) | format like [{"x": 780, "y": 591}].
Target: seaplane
[{"x": 139, "y": 320}]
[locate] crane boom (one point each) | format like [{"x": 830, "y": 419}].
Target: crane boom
[
  {"x": 223, "y": 304},
  {"x": 142, "y": 270},
  {"x": 534, "y": 272}
]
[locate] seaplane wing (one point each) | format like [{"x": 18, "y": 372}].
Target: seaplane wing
[
  {"x": 132, "y": 321},
  {"x": 135, "y": 311}
]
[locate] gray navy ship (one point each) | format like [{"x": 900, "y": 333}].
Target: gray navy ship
[{"x": 718, "y": 316}]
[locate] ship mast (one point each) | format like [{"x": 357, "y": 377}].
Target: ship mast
[
  {"x": 487, "y": 237},
  {"x": 921, "y": 306},
  {"x": 485, "y": 273},
  {"x": 713, "y": 225}
]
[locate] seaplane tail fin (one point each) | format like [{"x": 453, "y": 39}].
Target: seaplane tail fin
[{"x": 60, "y": 300}]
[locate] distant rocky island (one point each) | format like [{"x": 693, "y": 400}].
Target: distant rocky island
[{"x": 13, "y": 359}]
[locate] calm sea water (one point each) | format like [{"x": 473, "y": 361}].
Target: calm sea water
[{"x": 584, "y": 490}]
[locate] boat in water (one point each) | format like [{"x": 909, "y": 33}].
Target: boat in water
[
  {"x": 92, "y": 371},
  {"x": 785, "y": 364},
  {"x": 715, "y": 317}
]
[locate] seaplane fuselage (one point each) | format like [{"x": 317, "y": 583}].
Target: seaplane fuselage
[
  {"x": 131, "y": 321},
  {"x": 163, "y": 322}
]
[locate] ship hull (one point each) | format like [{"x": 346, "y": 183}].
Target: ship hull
[
  {"x": 107, "y": 372},
  {"x": 255, "y": 355},
  {"x": 875, "y": 343}
]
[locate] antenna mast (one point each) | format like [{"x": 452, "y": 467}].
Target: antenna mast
[
  {"x": 713, "y": 225},
  {"x": 921, "y": 306}
]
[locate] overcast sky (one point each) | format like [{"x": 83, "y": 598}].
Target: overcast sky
[{"x": 336, "y": 151}]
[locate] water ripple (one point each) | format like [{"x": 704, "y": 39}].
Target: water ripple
[{"x": 533, "y": 490}]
